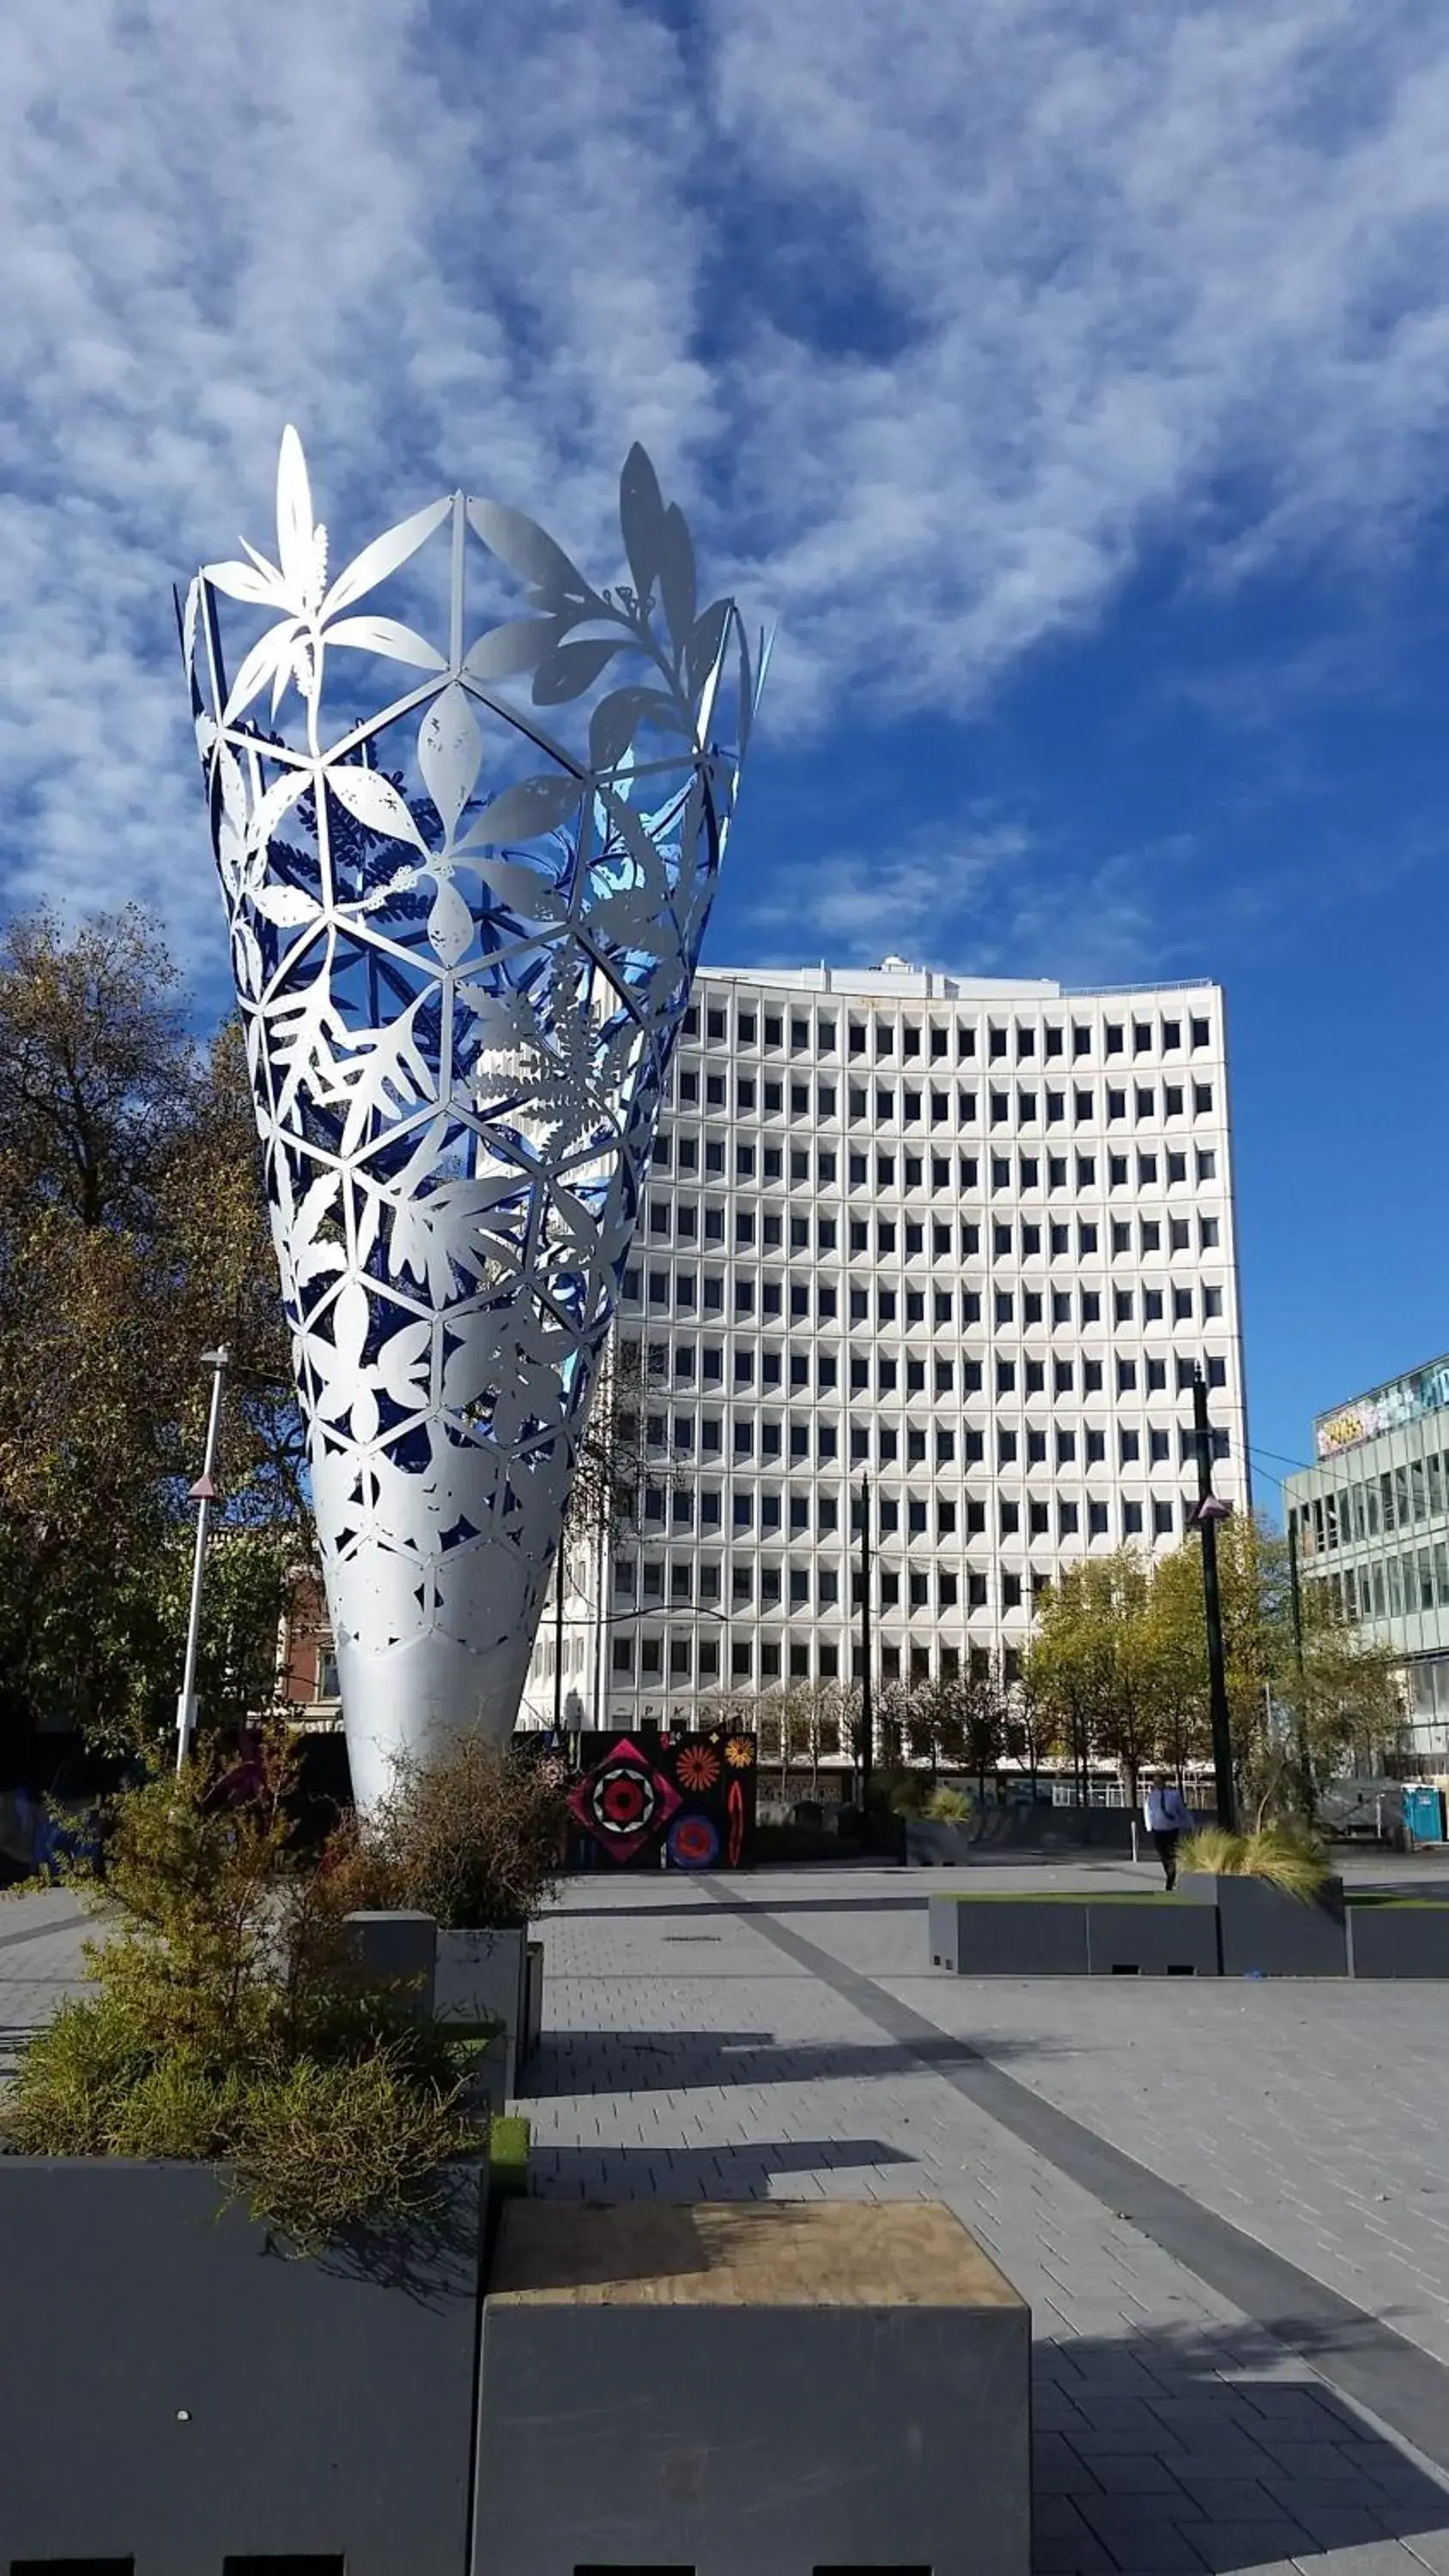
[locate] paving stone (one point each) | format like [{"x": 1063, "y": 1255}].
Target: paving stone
[{"x": 1246, "y": 2548}]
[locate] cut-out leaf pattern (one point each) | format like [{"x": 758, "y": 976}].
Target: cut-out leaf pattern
[
  {"x": 372, "y": 799},
  {"x": 386, "y": 554},
  {"x": 385, "y": 635},
  {"x": 450, "y": 925},
  {"x": 450, "y": 754},
  {"x": 288, "y": 906},
  {"x": 532, "y": 806},
  {"x": 570, "y": 669},
  {"x": 511, "y": 648},
  {"x": 458, "y": 1046}
]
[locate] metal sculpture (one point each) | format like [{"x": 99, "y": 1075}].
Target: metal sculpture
[{"x": 463, "y": 945}]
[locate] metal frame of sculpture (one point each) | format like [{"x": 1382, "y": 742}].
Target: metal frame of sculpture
[{"x": 463, "y": 945}]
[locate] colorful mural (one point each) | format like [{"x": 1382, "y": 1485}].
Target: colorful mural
[{"x": 686, "y": 1799}]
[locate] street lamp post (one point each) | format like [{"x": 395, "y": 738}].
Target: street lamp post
[
  {"x": 203, "y": 1494},
  {"x": 1209, "y": 1511}
]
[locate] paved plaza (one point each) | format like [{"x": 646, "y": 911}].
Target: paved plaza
[{"x": 1227, "y": 2203}]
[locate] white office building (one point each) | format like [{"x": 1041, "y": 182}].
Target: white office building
[{"x": 962, "y": 1237}]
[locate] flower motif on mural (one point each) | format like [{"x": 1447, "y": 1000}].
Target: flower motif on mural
[
  {"x": 740, "y": 1752},
  {"x": 697, "y": 1767},
  {"x": 467, "y": 866}
]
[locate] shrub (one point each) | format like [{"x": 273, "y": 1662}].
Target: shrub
[
  {"x": 1292, "y": 1860},
  {"x": 229, "y": 2026},
  {"x": 948, "y": 1806},
  {"x": 903, "y": 1792},
  {"x": 474, "y": 1838}
]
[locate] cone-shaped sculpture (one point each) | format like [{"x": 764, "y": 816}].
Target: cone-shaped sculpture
[{"x": 463, "y": 933}]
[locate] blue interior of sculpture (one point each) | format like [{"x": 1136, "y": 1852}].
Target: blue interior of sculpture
[{"x": 467, "y": 875}]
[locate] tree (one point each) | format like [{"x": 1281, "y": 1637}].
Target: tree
[
  {"x": 1033, "y": 1730},
  {"x": 982, "y": 1717},
  {"x": 1120, "y": 1658},
  {"x": 1072, "y": 1664},
  {"x": 133, "y": 1236}
]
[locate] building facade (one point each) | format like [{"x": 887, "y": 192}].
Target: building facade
[
  {"x": 1370, "y": 1520},
  {"x": 958, "y": 1241}
]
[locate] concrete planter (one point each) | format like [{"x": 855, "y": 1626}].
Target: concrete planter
[
  {"x": 1009, "y": 1936},
  {"x": 1262, "y": 1932},
  {"x": 936, "y": 1845},
  {"x": 483, "y": 1976},
  {"x": 1152, "y": 1936},
  {"x": 661, "y": 2387},
  {"x": 186, "y": 2394},
  {"x": 1403, "y": 1940}
]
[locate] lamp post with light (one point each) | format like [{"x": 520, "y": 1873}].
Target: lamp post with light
[{"x": 203, "y": 1494}]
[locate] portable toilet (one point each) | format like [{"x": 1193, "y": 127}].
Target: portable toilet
[{"x": 1424, "y": 1812}]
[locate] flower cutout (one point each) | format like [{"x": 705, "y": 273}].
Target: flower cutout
[
  {"x": 740, "y": 1752},
  {"x": 697, "y": 1767}
]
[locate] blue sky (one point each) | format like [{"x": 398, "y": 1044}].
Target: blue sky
[{"x": 1071, "y": 382}]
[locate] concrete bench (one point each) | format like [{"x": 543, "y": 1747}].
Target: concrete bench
[{"x": 757, "y": 2389}]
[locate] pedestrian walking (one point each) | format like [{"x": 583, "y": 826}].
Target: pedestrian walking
[{"x": 1167, "y": 1817}]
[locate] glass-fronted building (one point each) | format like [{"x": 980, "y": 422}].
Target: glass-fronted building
[{"x": 1371, "y": 1521}]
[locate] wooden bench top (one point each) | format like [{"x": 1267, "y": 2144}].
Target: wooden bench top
[{"x": 784, "y": 2254}]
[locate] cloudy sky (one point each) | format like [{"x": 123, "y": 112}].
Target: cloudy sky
[{"x": 1068, "y": 377}]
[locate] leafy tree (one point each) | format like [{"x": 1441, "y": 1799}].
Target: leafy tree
[
  {"x": 133, "y": 1236},
  {"x": 980, "y": 1726}
]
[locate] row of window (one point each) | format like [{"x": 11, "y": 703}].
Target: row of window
[
  {"x": 887, "y": 1240},
  {"x": 935, "y": 1043},
  {"x": 687, "y": 1658},
  {"x": 1146, "y": 1375},
  {"x": 684, "y": 1507},
  {"x": 1397, "y": 1499},
  {"x": 771, "y": 1231},
  {"x": 774, "y": 1438},
  {"x": 960, "y": 1172},
  {"x": 1393, "y": 1587},
  {"x": 651, "y": 1362},
  {"x": 947, "y": 1107}
]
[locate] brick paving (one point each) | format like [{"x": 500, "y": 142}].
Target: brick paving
[{"x": 687, "y": 2054}]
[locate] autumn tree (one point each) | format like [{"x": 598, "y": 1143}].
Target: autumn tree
[{"x": 133, "y": 1236}]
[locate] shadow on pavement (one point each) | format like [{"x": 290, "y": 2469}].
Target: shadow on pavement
[
  {"x": 697, "y": 2173},
  {"x": 1188, "y": 2449},
  {"x": 600, "y": 2062}
]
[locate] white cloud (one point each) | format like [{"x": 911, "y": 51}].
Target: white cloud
[
  {"x": 936, "y": 314},
  {"x": 986, "y": 896}
]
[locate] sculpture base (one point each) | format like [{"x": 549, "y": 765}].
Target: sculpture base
[{"x": 410, "y": 1702}]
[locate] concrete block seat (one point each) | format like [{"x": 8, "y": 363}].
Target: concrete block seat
[
  {"x": 1397, "y": 1936},
  {"x": 1119, "y": 1933},
  {"x": 1152, "y": 1934},
  {"x": 764, "y": 2389},
  {"x": 1264, "y": 1932},
  {"x": 1008, "y": 1936}
]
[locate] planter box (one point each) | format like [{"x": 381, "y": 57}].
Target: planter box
[
  {"x": 1009, "y": 1936},
  {"x": 1399, "y": 1939},
  {"x": 483, "y": 1976},
  {"x": 933, "y": 1845},
  {"x": 1152, "y": 1936},
  {"x": 184, "y": 2393},
  {"x": 666, "y": 2387},
  {"x": 1262, "y": 1932}
]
